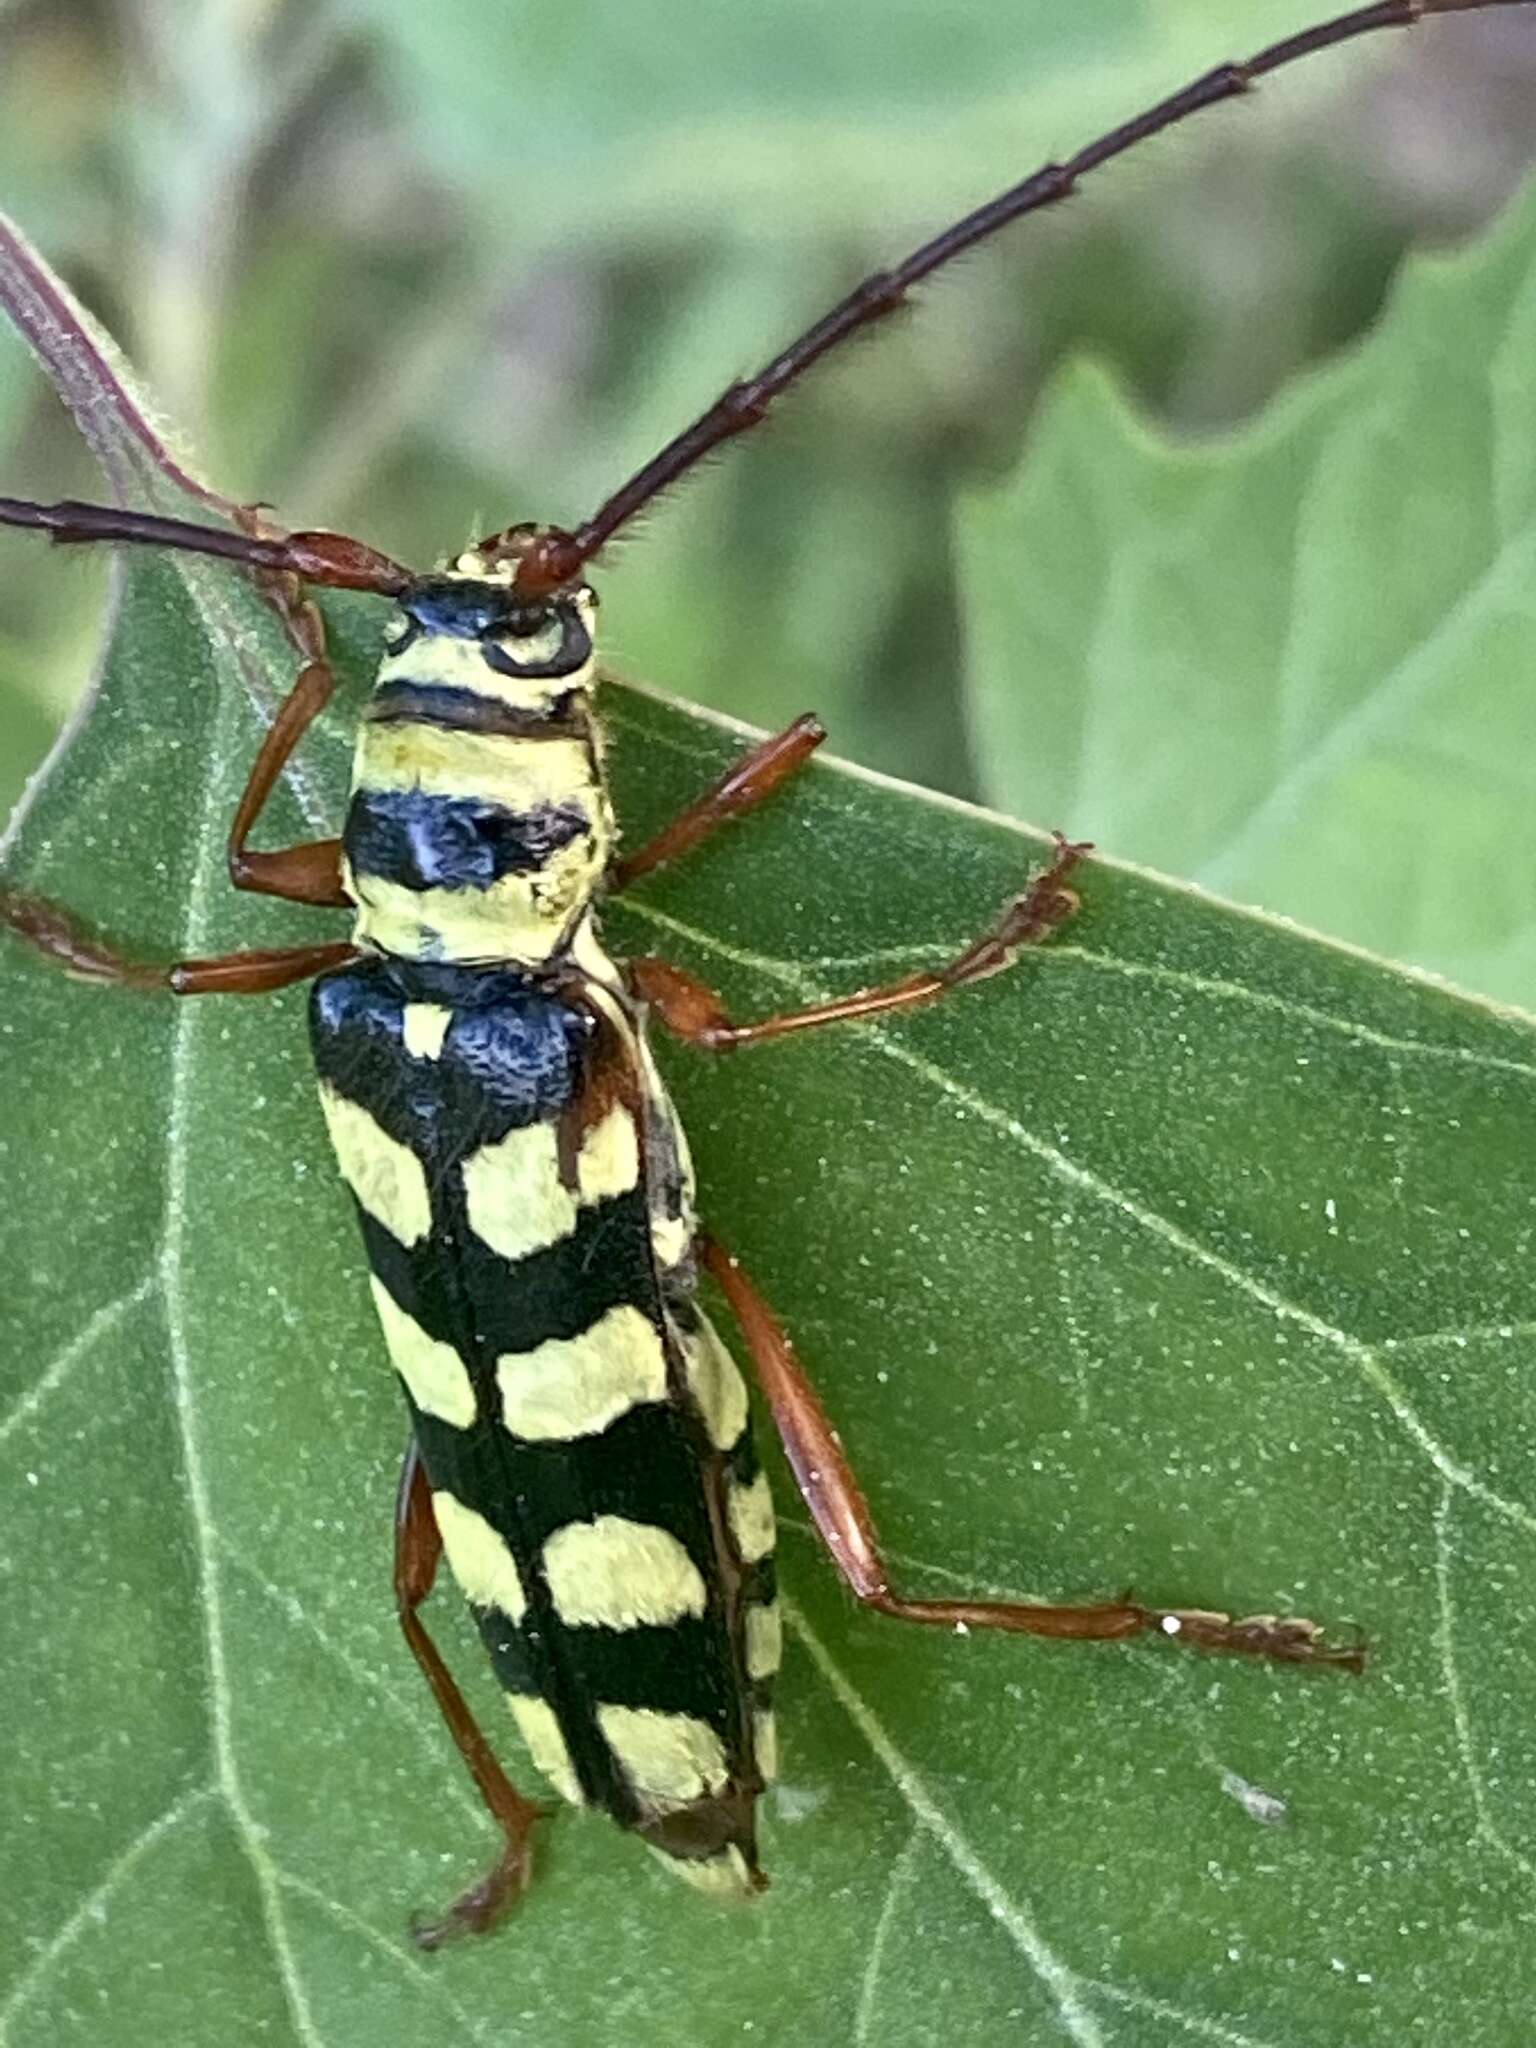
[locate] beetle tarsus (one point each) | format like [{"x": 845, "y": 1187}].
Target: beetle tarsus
[{"x": 482, "y": 1907}]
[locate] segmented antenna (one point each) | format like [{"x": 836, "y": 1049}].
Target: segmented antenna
[
  {"x": 328, "y": 558},
  {"x": 543, "y": 558},
  {"x": 742, "y": 405}
]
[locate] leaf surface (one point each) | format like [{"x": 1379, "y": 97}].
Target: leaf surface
[
  {"x": 1294, "y": 665},
  {"x": 1194, "y": 1253}
]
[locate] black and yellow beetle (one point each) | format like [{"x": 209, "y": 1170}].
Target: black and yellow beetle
[{"x": 579, "y": 1438}]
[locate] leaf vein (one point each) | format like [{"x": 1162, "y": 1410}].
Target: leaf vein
[
  {"x": 184, "y": 1403},
  {"x": 1014, "y": 1917},
  {"x": 1051, "y": 959},
  {"x": 72, "y": 1354},
  {"x": 1384, "y": 708},
  {"x": 1366, "y": 1362},
  {"x": 1445, "y": 1643},
  {"x": 93, "y": 1905},
  {"x": 1306, "y": 1013},
  {"x": 374, "y": 1687},
  {"x": 1469, "y": 1333},
  {"x": 401, "y": 1957},
  {"x": 1192, "y": 2023},
  {"x": 1064, "y": 1984},
  {"x": 895, "y": 1890},
  {"x": 976, "y": 1584}
]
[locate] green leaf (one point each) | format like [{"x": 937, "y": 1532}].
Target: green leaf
[
  {"x": 1193, "y": 1252},
  {"x": 1247, "y": 662},
  {"x": 484, "y": 91}
]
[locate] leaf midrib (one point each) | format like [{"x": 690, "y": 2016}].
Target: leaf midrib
[{"x": 186, "y": 1021}]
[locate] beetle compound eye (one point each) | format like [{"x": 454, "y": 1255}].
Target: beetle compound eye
[
  {"x": 532, "y": 635},
  {"x": 538, "y": 641},
  {"x": 531, "y": 648}
]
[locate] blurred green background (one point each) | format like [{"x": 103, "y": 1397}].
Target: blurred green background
[{"x": 414, "y": 271}]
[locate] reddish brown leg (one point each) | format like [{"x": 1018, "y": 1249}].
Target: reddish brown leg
[
  {"x": 310, "y": 873},
  {"x": 694, "y": 1012},
  {"x": 282, "y": 561},
  {"x": 53, "y": 932},
  {"x": 742, "y": 788},
  {"x": 418, "y": 1547},
  {"x": 301, "y": 874},
  {"x": 842, "y": 1516}
]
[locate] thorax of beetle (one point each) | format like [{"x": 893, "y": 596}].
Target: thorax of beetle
[{"x": 479, "y": 826}]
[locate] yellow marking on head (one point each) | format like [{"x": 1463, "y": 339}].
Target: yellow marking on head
[
  {"x": 387, "y": 1178},
  {"x": 437, "y": 1377},
  {"x": 765, "y": 1639},
  {"x": 765, "y": 1744},
  {"x": 716, "y": 1385},
  {"x": 615, "y": 1573},
  {"x": 425, "y": 1026},
  {"x": 445, "y": 661},
  {"x": 575, "y": 1386},
  {"x": 672, "y": 1759},
  {"x": 546, "y": 1745},
  {"x": 450, "y": 661},
  {"x": 475, "y": 566},
  {"x": 479, "y": 1558},
  {"x": 516, "y": 1198},
  {"x": 750, "y": 1509},
  {"x": 723, "y": 1876}
]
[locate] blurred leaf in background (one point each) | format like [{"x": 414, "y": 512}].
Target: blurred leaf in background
[
  {"x": 1296, "y": 666},
  {"x": 414, "y": 271}
]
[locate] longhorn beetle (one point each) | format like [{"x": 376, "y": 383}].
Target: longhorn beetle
[{"x": 579, "y": 1438}]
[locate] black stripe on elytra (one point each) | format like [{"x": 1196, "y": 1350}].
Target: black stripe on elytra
[
  {"x": 424, "y": 841},
  {"x": 671, "y": 1670},
  {"x": 406, "y": 703},
  {"x": 645, "y": 1468},
  {"x": 510, "y": 1648},
  {"x": 641, "y": 1467},
  {"x": 464, "y": 1294},
  {"x": 742, "y": 1463}
]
